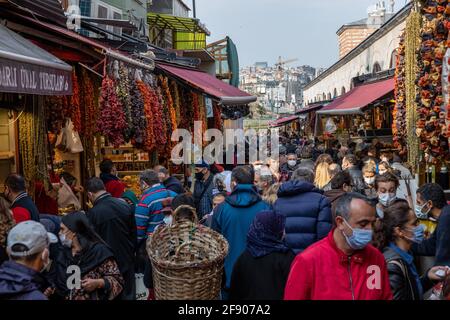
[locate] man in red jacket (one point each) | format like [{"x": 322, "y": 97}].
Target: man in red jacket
[{"x": 342, "y": 266}]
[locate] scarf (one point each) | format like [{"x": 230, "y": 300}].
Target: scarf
[
  {"x": 266, "y": 233},
  {"x": 94, "y": 251}
]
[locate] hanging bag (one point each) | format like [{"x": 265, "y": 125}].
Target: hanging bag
[{"x": 74, "y": 144}]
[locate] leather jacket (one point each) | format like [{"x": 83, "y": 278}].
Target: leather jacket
[{"x": 403, "y": 284}]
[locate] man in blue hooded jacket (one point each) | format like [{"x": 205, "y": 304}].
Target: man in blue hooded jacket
[
  {"x": 233, "y": 217},
  {"x": 307, "y": 210}
]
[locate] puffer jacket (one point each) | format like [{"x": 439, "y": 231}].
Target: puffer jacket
[
  {"x": 233, "y": 218},
  {"x": 307, "y": 211},
  {"x": 18, "y": 282}
]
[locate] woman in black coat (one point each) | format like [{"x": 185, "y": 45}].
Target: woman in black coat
[
  {"x": 262, "y": 270},
  {"x": 401, "y": 229}
]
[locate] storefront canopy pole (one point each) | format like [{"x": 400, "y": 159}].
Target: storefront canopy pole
[{"x": 123, "y": 58}]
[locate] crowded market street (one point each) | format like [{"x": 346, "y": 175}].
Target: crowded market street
[{"x": 168, "y": 150}]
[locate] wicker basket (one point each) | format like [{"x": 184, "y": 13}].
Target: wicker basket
[{"x": 187, "y": 261}]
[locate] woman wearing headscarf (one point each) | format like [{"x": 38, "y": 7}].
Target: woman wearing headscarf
[
  {"x": 82, "y": 247},
  {"x": 262, "y": 270}
]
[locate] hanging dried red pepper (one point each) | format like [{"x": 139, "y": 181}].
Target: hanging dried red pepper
[
  {"x": 74, "y": 111},
  {"x": 149, "y": 142},
  {"x": 111, "y": 122},
  {"x": 88, "y": 101}
]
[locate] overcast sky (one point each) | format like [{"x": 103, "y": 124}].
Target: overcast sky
[{"x": 265, "y": 29}]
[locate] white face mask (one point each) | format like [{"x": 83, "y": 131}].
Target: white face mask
[
  {"x": 168, "y": 220},
  {"x": 382, "y": 172},
  {"x": 292, "y": 163},
  {"x": 64, "y": 241},
  {"x": 369, "y": 181}
]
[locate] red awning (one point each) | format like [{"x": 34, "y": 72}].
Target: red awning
[
  {"x": 227, "y": 94},
  {"x": 356, "y": 99},
  {"x": 283, "y": 121},
  {"x": 311, "y": 107}
]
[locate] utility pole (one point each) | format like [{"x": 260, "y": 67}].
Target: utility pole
[{"x": 194, "y": 9}]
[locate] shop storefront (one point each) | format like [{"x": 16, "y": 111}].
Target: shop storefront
[
  {"x": 364, "y": 112},
  {"x": 28, "y": 76}
]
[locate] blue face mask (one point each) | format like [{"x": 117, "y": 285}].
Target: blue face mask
[
  {"x": 359, "y": 239},
  {"x": 419, "y": 211},
  {"x": 418, "y": 232}
]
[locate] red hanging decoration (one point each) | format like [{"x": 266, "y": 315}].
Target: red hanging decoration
[
  {"x": 75, "y": 113},
  {"x": 149, "y": 142},
  {"x": 112, "y": 119}
]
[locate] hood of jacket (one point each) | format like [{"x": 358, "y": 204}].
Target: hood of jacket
[
  {"x": 292, "y": 188},
  {"x": 243, "y": 195},
  {"x": 16, "y": 279}
]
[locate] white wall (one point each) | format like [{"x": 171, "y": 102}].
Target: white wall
[{"x": 380, "y": 51}]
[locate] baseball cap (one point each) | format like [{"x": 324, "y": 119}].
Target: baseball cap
[{"x": 32, "y": 235}]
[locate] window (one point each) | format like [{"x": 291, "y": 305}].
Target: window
[
  {"x": 393, "y": 62},
  {"x": 376, "y": 67},
  {"x": 117, "y": 16},
  {"x": 102, "y": 12},
  {"x": 335, "y": 93},
  {"x": 343, "y": 90},
  {"x": 100, "y": 9}
]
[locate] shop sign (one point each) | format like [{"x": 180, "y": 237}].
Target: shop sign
[{"x": 21, "y": 77}]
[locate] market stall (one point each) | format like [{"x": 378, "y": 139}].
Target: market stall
[
  {"x": 421, "y": 116},
  {"x": 28, "y": 74},
  {"x": 289, "y": 124},
  {"x": 307, "y": 118},
  {"x": 363, "y": 112}
]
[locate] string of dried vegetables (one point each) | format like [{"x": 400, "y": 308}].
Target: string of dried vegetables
[
  {"x": 111, "y": 122},
  {"x": 399, "y": 111},
  {"x": 218, "y": 123},
  {"x": 412, "y": 42},
  {"x": 40, "y": 146},
  {"x": 149, "y": 143},
  {"x": 55, "y": 109},
  {"x": 138, "y": 118},
  {"x": 156, "y": 114},
  {"x": 175, "y": 93},
  {"x": 26, "y": 143},
  {"x": 187, "y": 109},
  {"x": 170, "y": 103},
  {"x": 88, "y": 101},
  {"x": 431, "y": 126},
  {"x": 202, "y": 112},
  {"x": 74, "y": 111},
  {"x": 32, "y": 143},
  {"x": 165, "y": 121},
  {"x": 123, "y": 93}
]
